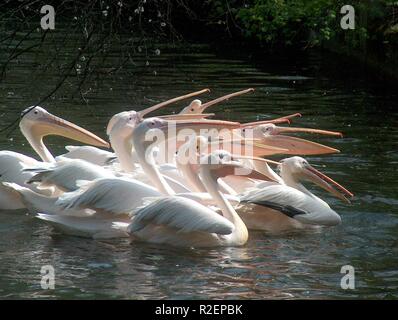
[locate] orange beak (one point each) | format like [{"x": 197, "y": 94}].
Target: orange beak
[
  {"x": 249, "y": 147},
  {"x": 327, "y": 183},
  {"x": 187, "y": 116},
  {"x": 53, "y": 125},
  {"x": 285, "y": 119},
  {"x": 168, "y": 102},
  {"x": 206, "y": 105},
  {"x": 297, "y": 146},
  {"x": 279, "y": 130}
]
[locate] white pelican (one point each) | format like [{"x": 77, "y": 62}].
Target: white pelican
[
  {"x": 275, "y": 207},
  {"x": 35, "y": 124},
  {"x": 181, "y": 222},
  {"x": 64, "y": 174},
  {"x": 144, "y": 147},
  {"x": 197, "y": 107},
  {"x": 116, "y": 196},
  {"x": 110, "y": 194},
  {"x": 139, "y": 115},
  {"x": 101, "y": 157},
  {"x": 287, "y": 188},
  {"x": 188, "y": 158}
]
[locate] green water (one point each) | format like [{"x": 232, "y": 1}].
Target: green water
[{"x": 293, "y": 265}]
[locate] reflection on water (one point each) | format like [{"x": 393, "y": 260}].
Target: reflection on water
[{"x": 293, "y": 265}]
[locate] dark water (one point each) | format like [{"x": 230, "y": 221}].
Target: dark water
[{"x": 293, "y": 265}]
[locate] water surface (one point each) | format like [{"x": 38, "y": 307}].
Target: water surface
[{"x": 292, "y": 265}]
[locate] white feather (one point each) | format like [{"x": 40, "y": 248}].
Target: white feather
[
  {"x": 115, "y": 195},
  {"x": 11, "y": 164},
  {"x": 89, "y": 153},
  {"x": 65, "y": 174},
  {"x": 91, "y": 227},
  {"x": 184, "y": 214},
  {"x": 316, "y": 210},
  {"x": 35, "y": 202}
]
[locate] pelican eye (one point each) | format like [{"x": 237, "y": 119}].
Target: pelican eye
[
  {"x": 36, "y": 112},
  {"x": 305, "y": 164},
  {"x": 192, "y": 109}
]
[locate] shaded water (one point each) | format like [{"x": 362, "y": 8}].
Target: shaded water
[{"x": 293, "y": 265}]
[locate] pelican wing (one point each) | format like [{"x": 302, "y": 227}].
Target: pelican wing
[
  {"x": 279, "y": 197},
  {"x": 184, "y": 214},
  {"x": 115, "y": 195},
  {"x": 65, "y": 174},
  {"x": 89, "y": 227},
  {"x": 293, "y": 203},
  {"x": 89, "y": 153}
]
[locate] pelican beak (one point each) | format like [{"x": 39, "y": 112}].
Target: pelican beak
[
  {"x": 288, "y": 117},
  {"x": 250, "y": 147},
  {"x": 279, "y": 130},
  {"x": 285, "y": 119},
  {"x": 144, "y": 112},
  {"x": 203, "y": 124},
  {"x": 326, "y": 183},
  {"x": 297, "y": 146},
  {"x": 265, "y": 149},
  {"x": 53, "y": 125},
  {"x": 204, "y": 106},
  {"x": 187, "y": 116}
]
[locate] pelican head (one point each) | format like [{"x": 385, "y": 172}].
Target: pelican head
[
  {"x": 197, "y": 107},
  {"x": 123, "y": 123},
  {"x": 299, "y": 169},
  {"x": 193, "y": 108},
  {"x": 37, "y": 123}
]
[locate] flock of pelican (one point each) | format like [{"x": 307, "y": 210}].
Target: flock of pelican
[{"x": 204, "y": 190}]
